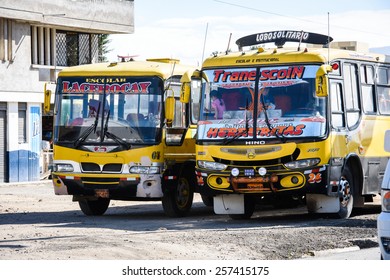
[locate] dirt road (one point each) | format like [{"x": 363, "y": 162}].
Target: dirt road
[{"x": 36, "y": 224}]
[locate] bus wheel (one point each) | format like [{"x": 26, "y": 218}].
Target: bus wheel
[
  {"x": 345, "y": 194},
  {"x": 94, "y": 207},
  {"x": 178, "y": 202},
  {"x": 249, "y": 208}
]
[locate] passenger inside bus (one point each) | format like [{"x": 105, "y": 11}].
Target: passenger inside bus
[
  {"x": 135, "y": 119},
  {"x": 235, "y": 100},
  {"x": 217, "y": 104},
  {"x": 266, "y": 99},
  {"x": 93, "y": 106}
]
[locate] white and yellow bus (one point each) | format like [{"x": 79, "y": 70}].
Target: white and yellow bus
[
  {"x": 121, "y": 133},
  {"x": 297, "y": 122}
]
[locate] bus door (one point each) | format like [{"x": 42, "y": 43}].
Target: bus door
[{"x": 339, "y": 132}]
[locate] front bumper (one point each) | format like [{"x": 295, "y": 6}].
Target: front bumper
[
  {"x": 313, "y": 180},
  {"x": 121, "y": 188}
]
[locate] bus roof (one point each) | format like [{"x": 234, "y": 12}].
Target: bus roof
[
  {"x": 162, "y": 67},
  {"x": 273, "y": 56}
]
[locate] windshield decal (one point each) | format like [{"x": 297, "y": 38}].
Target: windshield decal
[
  {"x": 304, "y": 127},
  {"x": 274, "y": 77},
  {"x": 126, "y": 88},
  {"x": 264, "y": 131},
  {"x": 290, "y": 73}
]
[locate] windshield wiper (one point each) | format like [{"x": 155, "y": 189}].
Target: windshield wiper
[
  {"x": 118, "y": 140},
  {"x": 105, "y": 127},
  {"x": 88, "y": 131},
  {"x": 238, "y": 135},
  {"x": 265, "y": 109}
]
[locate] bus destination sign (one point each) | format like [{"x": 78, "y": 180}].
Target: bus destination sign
[{"x": 283, "y": 36}]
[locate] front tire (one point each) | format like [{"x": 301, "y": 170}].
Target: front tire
[
  {"x": 94, "y": 207},
  {"x": 178, "y": 201},
  {"x": 207, "y": 200},
  {"x": 346, "y": 187}
]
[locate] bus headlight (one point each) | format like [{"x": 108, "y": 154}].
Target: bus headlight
[
  {"x": 211, "y": 165},
  {"x": 64, "y": 167},
  {"x": 235, "y": 172},
  {"x": 144, "y": 169},
  {"x": 385, "y": 200},
  {"x": 262, "y": 171},
  {"x": 303, "y": 163}
]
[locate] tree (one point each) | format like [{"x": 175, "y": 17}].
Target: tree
[{"x": 103, "y": 49}]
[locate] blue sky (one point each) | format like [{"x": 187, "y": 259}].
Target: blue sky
[{"x": 177, "y": 29}]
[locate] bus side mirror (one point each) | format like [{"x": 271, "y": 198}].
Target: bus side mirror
[
  {"x": 169, "y": 110},
  {"x": 185, "y": 91},
  {"x": 322, "y": 83},
  {"x": 47, "y": 98}
]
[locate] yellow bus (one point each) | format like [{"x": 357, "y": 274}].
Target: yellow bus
[
  {"x": 121, "y": 133},
  {"x": 296, "y": 122}
]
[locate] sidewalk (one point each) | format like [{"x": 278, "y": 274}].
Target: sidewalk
[
  {"x": 40, "y": 182},
  {"x": 351, "y": 253}
]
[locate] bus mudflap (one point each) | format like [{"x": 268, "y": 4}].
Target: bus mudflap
[
  {"x": 321, "y": 203},
  {"x": 229, "y": 204}
]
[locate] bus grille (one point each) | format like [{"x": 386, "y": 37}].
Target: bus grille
[{"x": 95, "y": 168}]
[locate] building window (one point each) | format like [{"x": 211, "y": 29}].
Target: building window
[
  {"x": 76, "y": 48},
  {"x": 6, "y": 40},
  {"x": 63, "y": 48},
  {"x": 42, "y": 45},
  {"x": 22, "y": 122}
]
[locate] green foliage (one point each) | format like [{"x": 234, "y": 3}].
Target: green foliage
[{"x": 103, "y": 47}]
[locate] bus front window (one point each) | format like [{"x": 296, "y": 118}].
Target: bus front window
[
  {"x": 259, "y": 104},
  {"x": 114, "y": 114}
]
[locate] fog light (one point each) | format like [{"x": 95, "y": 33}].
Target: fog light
[
  {"x": 235, "y": 172},
  {"x": 294, "y": 180},
  {"x": 262, "y": 171},
  {"x": 219, "y": 180},
  {"x": 386, "y": 244}
]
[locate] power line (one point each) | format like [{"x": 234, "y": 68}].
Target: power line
[
  {"x": 296, "y": 18},
  {"x": 263, "y": 11}
]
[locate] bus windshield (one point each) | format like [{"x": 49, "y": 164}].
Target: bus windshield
[
  {"x": 109, "y": 111},
  {"x": 286, "y": 106}
]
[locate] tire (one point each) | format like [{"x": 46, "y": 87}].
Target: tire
[
  {"x": 94, "y": 207},
  {"x": 249, "y": 208},
  {"x": 208, "y": 200},
  {"x": 346, "y": 187},
  {"x": 178, "y": 201}
]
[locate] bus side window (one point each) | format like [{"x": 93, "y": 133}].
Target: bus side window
[
  {"x": 384, "y": 100},
  {"x": 336, "y": 103}
]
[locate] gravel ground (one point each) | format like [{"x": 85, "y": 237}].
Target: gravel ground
[{"x": 36, "y": 224}]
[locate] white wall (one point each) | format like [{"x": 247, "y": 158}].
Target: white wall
[{"x": 98, "y": 16}]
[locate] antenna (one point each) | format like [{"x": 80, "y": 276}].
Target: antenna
[
  {"x": 227, "y": 49},
  {"x": 328, "y": 39},
  {"x": 300, "y": 41},
  {"x": 204, "y": 43}
]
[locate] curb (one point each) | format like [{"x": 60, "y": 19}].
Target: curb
[{"x": 331, "y": 251}]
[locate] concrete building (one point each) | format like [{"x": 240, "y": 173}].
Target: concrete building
[{"x": 37, "y": 39}]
